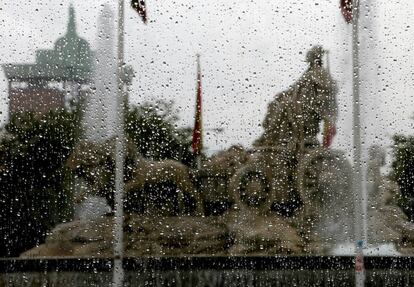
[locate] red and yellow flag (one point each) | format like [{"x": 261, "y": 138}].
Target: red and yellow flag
[
  {"x": 329, "y": 131},
  {"x": 139, "y": 6},
  {"x": 197, "y": 143},
  {"x": 346, "y": 9}
]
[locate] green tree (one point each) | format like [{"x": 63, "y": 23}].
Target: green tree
[
  {"x": 403, "y": 171},
  {"x": 34, "y": 182},
  {"x": 153, "y": 129}
]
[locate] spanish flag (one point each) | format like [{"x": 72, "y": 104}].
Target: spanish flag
[
  {"x": 197, "y": 143},
  {"x": 329, "y": 131},
  {"x": 346, "y": 9},
  {"x": 139, "y": 6}
]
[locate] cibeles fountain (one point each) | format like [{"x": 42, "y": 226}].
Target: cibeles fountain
[{"x": 290, "y": 194}]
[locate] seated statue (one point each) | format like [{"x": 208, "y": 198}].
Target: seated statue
[
  {"x": 293, "y": 117},
  {"x": 288, "y": 171}
]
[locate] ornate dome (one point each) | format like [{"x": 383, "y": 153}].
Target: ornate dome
[{"x": 72, "y": 50}]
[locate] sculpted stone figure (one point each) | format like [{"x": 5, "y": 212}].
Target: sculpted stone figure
[
  {"x": 225, "y": 163},
  {"x": 293, "y": 117},
  {"x": 95, "y": 163},
  {"x": 291, "y": 125},
  {"x": 214, "y": 175}
]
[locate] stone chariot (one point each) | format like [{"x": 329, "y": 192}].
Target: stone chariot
[{"x": 288, "y": 167}]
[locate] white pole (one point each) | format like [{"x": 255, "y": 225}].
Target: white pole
[
  {"x": 358, "y": 186},
  {"x": 118, "y": 271}
]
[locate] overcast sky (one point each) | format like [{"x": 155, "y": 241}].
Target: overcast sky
[{"x": 250, "y": 51}]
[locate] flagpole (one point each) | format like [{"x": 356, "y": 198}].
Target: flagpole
[
  {"x": 358, "y": 187},
  {"x": 198, "y": 86},
  {"x": 118, "y": 271},
  {"x": 197, "y": 142}
]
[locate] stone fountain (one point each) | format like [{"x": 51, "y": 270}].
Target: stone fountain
[{"x": 288, "y": 195}]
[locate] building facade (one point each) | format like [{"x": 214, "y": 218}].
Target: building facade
[{"x": 58, "y": 77}]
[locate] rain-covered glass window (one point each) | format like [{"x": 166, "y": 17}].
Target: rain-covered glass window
[{"x": 206, "y": 143}]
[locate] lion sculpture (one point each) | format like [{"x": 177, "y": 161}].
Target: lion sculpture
[{"x": 94, "y": 163}]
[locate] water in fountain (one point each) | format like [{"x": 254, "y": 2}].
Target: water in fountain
[
  {"x": 100, "y": 107},
  {"x": 387, "y": 224},
  {"x": 100, "y": 111},
  {"x": 336, "y": 222}
]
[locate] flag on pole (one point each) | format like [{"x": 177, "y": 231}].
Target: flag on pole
[
  {"x": 197, "y": 143},
  {"x": 139, "y": 6},
  {"x": 346, "y": 9},
  {"x": 329, "y": 128},
  {"x": 329, "y": 131}
]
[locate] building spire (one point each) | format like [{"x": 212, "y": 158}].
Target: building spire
[{"x": 71, "y": 22}]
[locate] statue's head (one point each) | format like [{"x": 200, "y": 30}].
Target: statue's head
[{"x": 315, "y": 55}]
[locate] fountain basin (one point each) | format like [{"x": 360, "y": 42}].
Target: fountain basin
[{"x": 208, "y": 271}]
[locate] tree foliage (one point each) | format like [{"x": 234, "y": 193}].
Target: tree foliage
[
  {"x": 153, "y": 129},
  {"x": 35, "y": 183},
  {"x": 403, "y": 171},
  {"x": 33, "y": 178}
]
